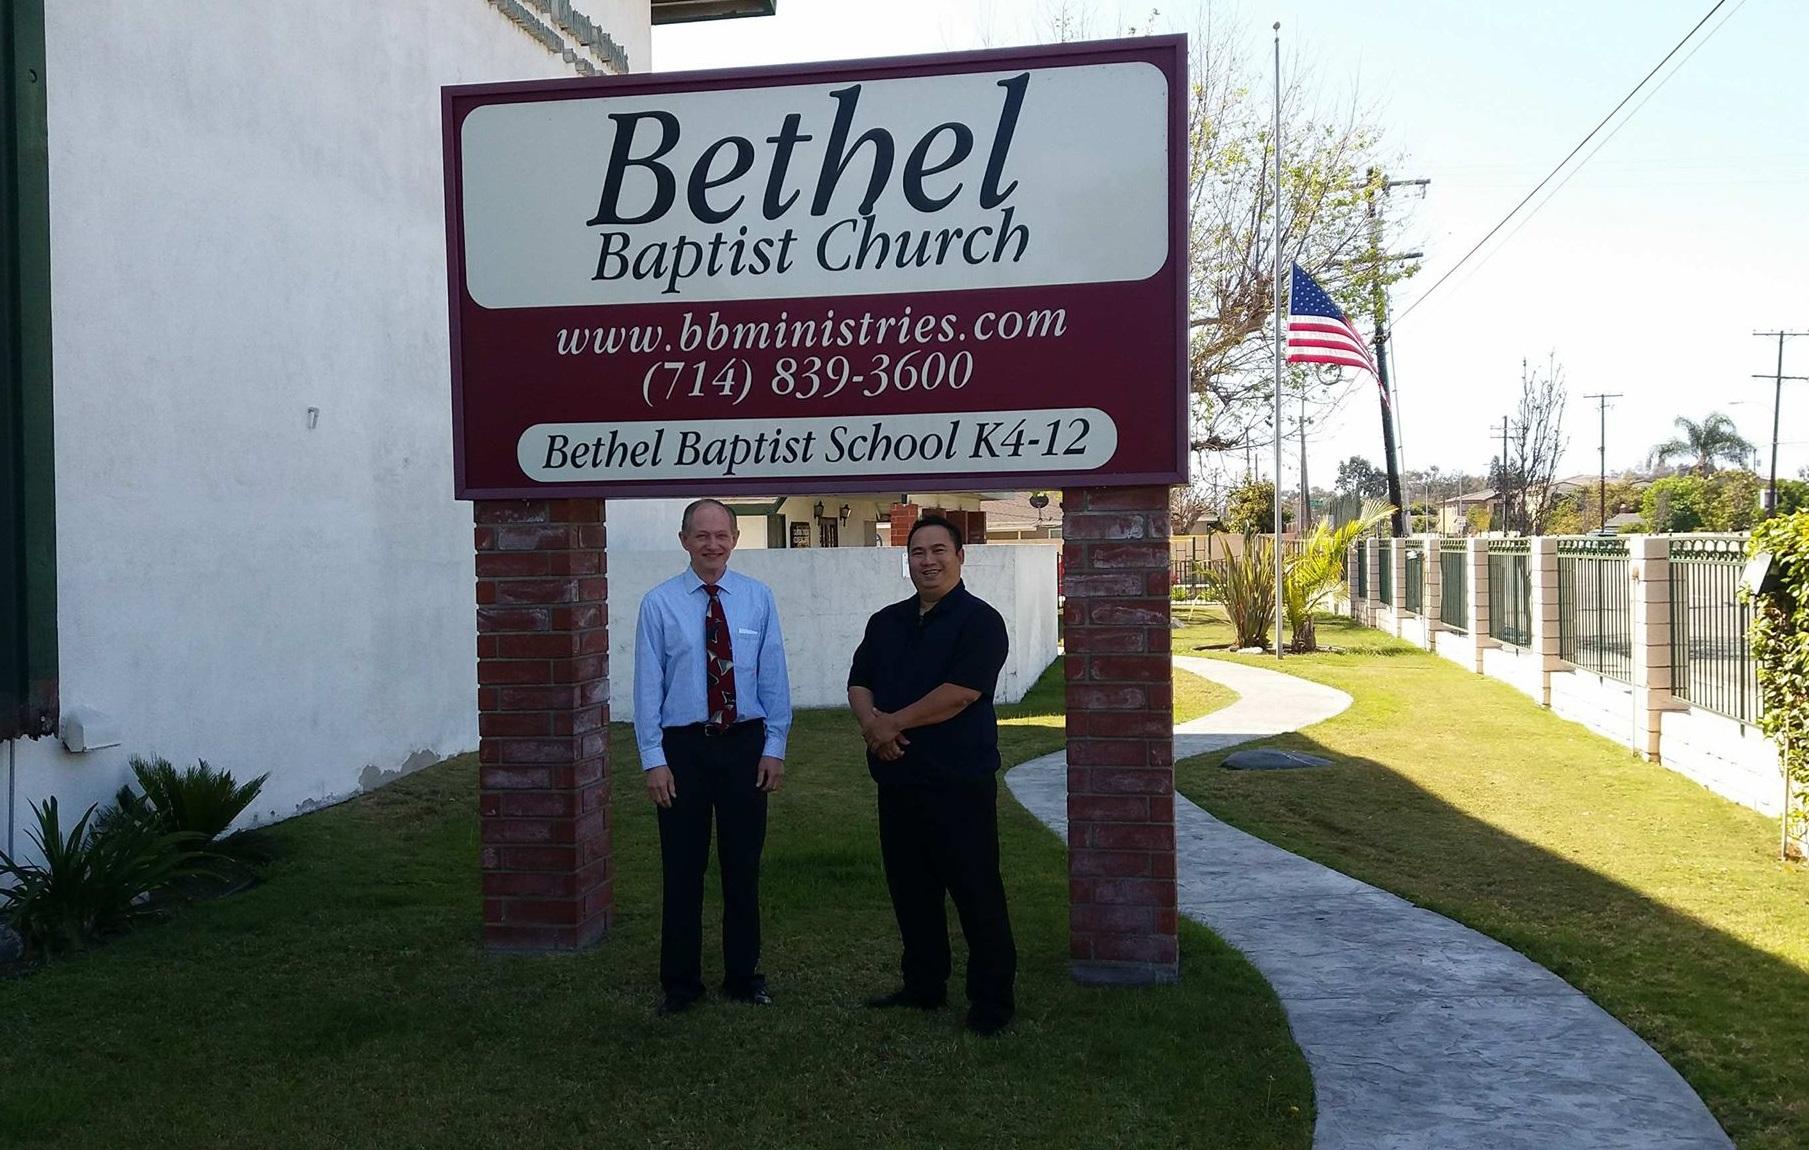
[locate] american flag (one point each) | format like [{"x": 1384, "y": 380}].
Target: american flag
[{"x": 1318, "y": 332}]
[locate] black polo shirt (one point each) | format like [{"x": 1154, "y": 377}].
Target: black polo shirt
[{"x": 906, "y": 655}]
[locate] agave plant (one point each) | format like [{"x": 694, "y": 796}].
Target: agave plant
[
  {"x": 1316, "y": 571},
  {"x": 199, "y": 800},
  {"x": 92, "y": 882},
  {"x": 1245, "y": 584}
]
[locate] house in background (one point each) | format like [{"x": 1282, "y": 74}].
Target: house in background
[{"x": 225, "y": 404}]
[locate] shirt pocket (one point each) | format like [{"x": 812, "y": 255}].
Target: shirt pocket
[{"x": 746, "y": 644}]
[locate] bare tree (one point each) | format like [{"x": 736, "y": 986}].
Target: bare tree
[
  {"x": 1536, "y": 444},
  {"x": 1185, "y": 506}
]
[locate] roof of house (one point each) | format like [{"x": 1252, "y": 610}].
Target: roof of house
[
  {"x": 1482, "y": 496},
  {"x": 1015, "y": 512}
]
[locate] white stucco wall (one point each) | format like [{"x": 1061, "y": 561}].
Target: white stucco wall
[
  {"x": 1726, "y": 756},
  {"x": 247, "y": 221},
  {"x": 1516, "y": 667},
  {"x": 1603, "y": 705},
  {"x": 825, "y": 596}
]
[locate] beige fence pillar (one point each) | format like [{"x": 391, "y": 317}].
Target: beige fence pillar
[
  {"x": 1476, "y": 552},
  {"x": 1433, "y": 571},
  {"x": 1351, "y": 554},
  {"x": 1649, "y": 567},
  {"x": 1542, "y": 570},
  {"x": 1373, "y": 559},
  {"x": 1397, "y": 561}
]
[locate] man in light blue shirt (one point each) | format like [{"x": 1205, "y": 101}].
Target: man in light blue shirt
[{"x": 712, "y": 709}]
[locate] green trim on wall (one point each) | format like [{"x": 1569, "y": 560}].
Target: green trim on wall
[{"x": 28, "y": 575}]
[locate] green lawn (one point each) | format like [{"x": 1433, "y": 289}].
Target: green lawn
[
  {"x": 1662, "y": 902},
  {"x": 345, "y": 1003},
  {"x": 1045, "y": 702}
]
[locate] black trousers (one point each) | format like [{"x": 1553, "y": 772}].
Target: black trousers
[
  {"x": 942, "y": 841},
  {"x": 716, "y": 775}
]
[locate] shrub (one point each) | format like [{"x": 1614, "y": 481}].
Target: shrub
[
  {"x": 1245, "y": 584},
  {"x": 1780, "y": 649},
  {"x": 92, "y": 882},
  {"x": 199, "y": 801}
]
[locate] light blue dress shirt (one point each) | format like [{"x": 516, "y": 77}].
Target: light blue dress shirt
[{"x": 669, "y": 677}]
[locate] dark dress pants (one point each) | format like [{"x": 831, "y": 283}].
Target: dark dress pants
[
  {"x": 716, "y": 775},
  {"x": 942, "y": 841}
]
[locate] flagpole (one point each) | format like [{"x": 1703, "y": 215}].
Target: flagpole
[{"x": 1279, "y": 595}]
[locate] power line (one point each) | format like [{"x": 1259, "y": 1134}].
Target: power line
[{"x": 1560, "y": 167}]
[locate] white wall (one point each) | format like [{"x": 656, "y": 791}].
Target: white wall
[
  {"x": 1726, "y": 756},
  {"x": 1603, "y": 705},
  {"x": 1516, "y": 667},
  {"x": 247, "y": 221},
  {"x": 825, "y": 596}
]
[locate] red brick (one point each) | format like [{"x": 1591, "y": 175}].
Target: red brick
[
  {"x": 1080, "y": 946},
  {"x": 1153, "y": 499},
  {"x": 592, "y": 590},
  {"x": 1102, "y": 556},
  {"x": 1096, "y": 919},
  {"x": 1108, "y": 808},
  {"x": 1156, "y": 949},
  {"x": 1160, "y": 638},
  {"x": 1123, "y": 724},
  {"x": 537, "y": 592},
  {"x": 1105, "y": 525},
  {"x": 509, "y": 511},
  {"x": 501, "y": 830},
  {"x": 1132, "y": 614},
  {"x": 577, "y": 721},
  {"x": 1131, "y": 836},
  {"x": 1102, "y": 640},
  {"x": 529, "y": 884},
  {"x": 1134, "y": 779},
  {"x": 593, "y": 642},
  {"x": 513, "y": 672},
  {"x": 1144, "y": 892},
  {"x": 579, "y": 618},
  {"x": 487, "y": 647},
  {"x": 511, "y": 564},
  {"x": 547, "y": 537},
  {"x": 519, "y": 724},
  {"x": 591, "y": 825},
  {"x": 1107, "y": 753},
  {"x": 512, "y": 619},
  {"x": 1074, "y": 667},
  {"x": 591, "y": 538},
  {"x": 580, "y": 669},
  {"x": 1112, "y": 584},
  {"x": 547, "y": 858},
  {"x": 1159, "y": 583},
  {"x": 1161, "y": 753},
  {"x": 552, "y": 645},
  {"x": 483, "y": 538},
  {"x": 1162, "y": 865},
  {"x": 575, "y": 510},
  {"x": 1074, "y": 613},
  {"x": 551, "y": 751},
  {"x": 486, "y": 591},
  {"x": 1162, "y": 808},
  {"x": 537, "y": 804},
  {"x": 574, "y": 562},
  {"x": 548, "y": 698},
  {"x": 1085, "y": 697},
  {"x": 1130, "y": 668},
  {"x": 1111, "y": 864},
  {"x": 515, "y": 777},
  {"x": 550, "y": 912}
]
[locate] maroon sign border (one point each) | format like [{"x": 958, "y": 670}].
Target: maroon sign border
[{"x": 880, "y": 67}]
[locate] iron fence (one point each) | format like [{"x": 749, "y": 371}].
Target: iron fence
[
  {"x": 1711, "y": 661},
  {"x": 1416, "y": 577},
  {"x": 1363, "y": 569},
  {"x": 1454, "y": 590},
  {"x": 1595, "y": 607},
  {"x": 1510, "y": 592},
  {"x": 1385, "y": 571}
]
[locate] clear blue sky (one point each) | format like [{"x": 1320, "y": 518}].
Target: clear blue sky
[{"x": 1646, "y": 274}]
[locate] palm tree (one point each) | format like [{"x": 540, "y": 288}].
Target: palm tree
[
  {"x": 1712, "y": 439},
  {"x": 1316, "y": 571}
]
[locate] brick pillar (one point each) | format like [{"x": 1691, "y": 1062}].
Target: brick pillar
[
  {"x": 899, "y": 522},
  {"x": 1121, "y": 785},
  {"x": 1433, "y": 571},
  {"x": 1649, "y": 566},
  {"x": 543, "y": 714},
  {"x": 1476, "y": 554},
  {"x": 1542, "y": 569}
]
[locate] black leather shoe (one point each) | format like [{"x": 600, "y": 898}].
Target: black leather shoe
[
  {"x": 758, "y": 996},
  {"x": 673, "y": 1004},
  {"x": 987, "y": 1023},
  {"x": 903, "y": 998}
]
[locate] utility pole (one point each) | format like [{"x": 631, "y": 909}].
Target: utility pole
[
  {"x": 1777, "y": 399},
  {"x": 1601, "y": 401},
  {"x": 1379, "y": 304},
  {"x": 1502, "y": 474}
]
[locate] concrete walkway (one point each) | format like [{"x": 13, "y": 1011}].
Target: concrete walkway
[{"x": 1421, "y": 1034}]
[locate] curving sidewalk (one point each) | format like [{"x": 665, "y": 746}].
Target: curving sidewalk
[{"x": 1421, "y": 1033}]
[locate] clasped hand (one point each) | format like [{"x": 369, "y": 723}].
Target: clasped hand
[{"x": 885, "y": 738}]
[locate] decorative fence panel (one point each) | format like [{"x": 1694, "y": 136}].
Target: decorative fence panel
[
  {"x": 1385, "y": 572},
  {"x": 1711, "y": 663},
  {"x": 1454, "y": 590},
  {"x": 1510, "y": 592},
  {"x": 1363, "y": 546},
  {"x": 1595, "y": 607}
]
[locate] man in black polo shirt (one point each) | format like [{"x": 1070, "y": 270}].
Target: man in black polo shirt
[{"x": 922, "y": 685}]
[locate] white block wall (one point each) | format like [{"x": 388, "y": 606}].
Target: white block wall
[{"x": 1726, "y": 756}]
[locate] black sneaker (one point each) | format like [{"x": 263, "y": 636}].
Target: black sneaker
[
  {"x": 987, "y": 1023},
  {"x": 757, "y": 996},
  {"x": 903, "y": 998}
]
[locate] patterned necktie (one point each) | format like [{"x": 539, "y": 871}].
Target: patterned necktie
[{"x": 719, "y": 664}]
